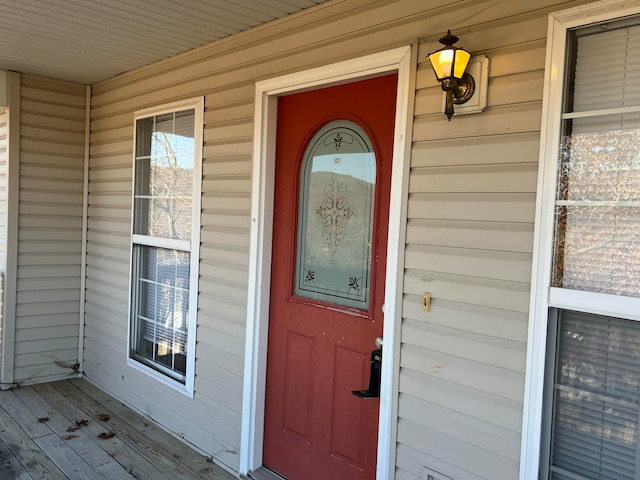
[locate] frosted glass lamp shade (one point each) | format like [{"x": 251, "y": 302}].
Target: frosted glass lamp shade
[{"x": 449, "y": 62}]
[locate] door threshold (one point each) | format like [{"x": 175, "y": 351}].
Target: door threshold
[{"x": 263, "y": 473}]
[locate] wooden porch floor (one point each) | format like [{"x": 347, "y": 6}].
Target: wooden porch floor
[{"x": 73, "y": 430}]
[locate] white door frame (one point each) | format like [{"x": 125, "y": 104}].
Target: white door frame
[{"x": 400, "y": 60}]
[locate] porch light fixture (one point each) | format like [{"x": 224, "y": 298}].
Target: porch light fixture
[{"x": 449, "y": 64}]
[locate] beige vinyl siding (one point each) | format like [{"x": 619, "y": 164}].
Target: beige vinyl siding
[
  {"x": 4, "y": 118},
  {"x": 469, "y": 243},
  {"x": 49, "y": 229},
  {"x": 469, "y": 233},
  {"x": 213, "y": 421}
]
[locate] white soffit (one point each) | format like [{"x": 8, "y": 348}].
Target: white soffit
[{"x": 87, "y": 41}]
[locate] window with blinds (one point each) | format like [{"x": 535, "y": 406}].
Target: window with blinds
[
  {"x": 597, "y": 239},
  {"x": 165, "y": 240},
  {"x": 592, "y": 395},
  {"x": 596, "y": 397}
]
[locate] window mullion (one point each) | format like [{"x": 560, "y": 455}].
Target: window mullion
[{"x": 600, "y": 112}]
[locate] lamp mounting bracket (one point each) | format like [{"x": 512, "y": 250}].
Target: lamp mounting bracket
[{"x": 464, "y": 89}]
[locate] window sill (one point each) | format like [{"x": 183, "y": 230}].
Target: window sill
[{"x": 185, "y": 389}]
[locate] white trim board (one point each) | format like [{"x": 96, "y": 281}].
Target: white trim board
[
  {"x": 7, "y": 360},
  {"x": 542, "y": 295},
  {"x": 85, "y": 228},
  {"x": 397, "y": 60}
]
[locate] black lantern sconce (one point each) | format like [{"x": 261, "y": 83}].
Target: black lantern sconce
[{"x": 449, "y": 64}]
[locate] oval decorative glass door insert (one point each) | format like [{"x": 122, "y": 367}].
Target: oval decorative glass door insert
[{"x": 335, "y": 226}]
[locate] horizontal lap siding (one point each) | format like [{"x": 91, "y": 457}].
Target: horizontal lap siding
[
  {"x": 49, "y": 229},
  {"x": 214, "y": 415},
  {"x": 469, "y": 243},
  {"x": 469, "y": 234}
]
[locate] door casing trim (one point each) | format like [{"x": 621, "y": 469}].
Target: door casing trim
[{"x": 403, "y": 61}]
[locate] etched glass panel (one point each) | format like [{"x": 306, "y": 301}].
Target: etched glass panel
[
  {"x": 597, "y": 214},
  {"x": 335, "y": 227}
]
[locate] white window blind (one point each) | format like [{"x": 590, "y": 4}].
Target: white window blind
[
  {"x": 163, "y": 305},
  {"x": 607, "y": 71},
  {"x": 596, "y": 394},
  {"x": 597, "y": 240}
]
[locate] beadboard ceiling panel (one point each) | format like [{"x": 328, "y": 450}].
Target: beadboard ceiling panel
[{"x": 86, "y": 41}]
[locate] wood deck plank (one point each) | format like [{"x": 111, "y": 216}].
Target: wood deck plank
[
  {"x": 39, "y": 438},
  {"x": 199, "y": 463},
  {"x": 20, "y": 444},
  {"x": 27, "y": 420},
  {"x": 86, "y": 447},
  {"x": 67, "y": 460},
  {"x": 10, "y": 467},
  {"x": 162, "y": 457},
  {"x": 131, "y": 459}
]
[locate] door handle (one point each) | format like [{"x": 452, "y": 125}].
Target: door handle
[{"x": 374, "y": 374}]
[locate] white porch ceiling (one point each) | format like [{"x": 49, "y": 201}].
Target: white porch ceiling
[{"x": 86, "y": 41}]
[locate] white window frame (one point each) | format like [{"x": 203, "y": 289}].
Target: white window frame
[
  {"x": 193, "y": 245},
  {"x": 543, "y": 296}
]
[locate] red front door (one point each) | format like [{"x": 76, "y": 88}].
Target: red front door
[{"x": 333, "y": 177}]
